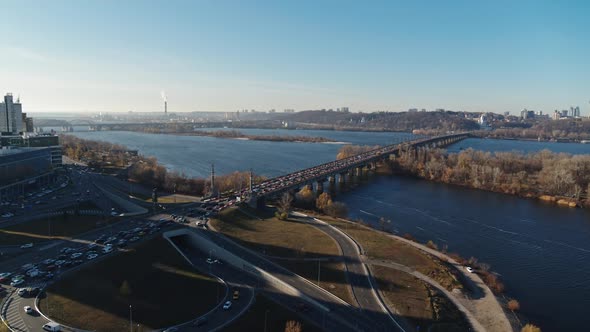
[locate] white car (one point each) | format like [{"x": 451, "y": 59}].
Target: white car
[
  {"x": 469, "y": 269},
  {"x": 17, "y": 282},
  {"x": 210, "y": 261},
  {"x": 91, "y": 256},
  {"x": 227, "y": 305},
  {"x": 27, "y": 246},
  {"x": 76, "y": 255},
  {"x": 107, "y": 249},
  {"x": 28, "y": 310},
  {"x": 21, "y": 291}
]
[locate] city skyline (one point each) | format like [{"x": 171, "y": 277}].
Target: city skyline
[{"x": 227, "y": 56}]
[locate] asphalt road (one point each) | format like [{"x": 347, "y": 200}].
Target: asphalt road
[{"x": 342, "y": 317}]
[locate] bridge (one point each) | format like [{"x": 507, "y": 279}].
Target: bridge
[
  {"x": 140, "y": 126},
  {"x": 339, "y": 169}
]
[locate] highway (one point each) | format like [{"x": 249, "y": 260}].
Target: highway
[{"x": 342, "y": 316}]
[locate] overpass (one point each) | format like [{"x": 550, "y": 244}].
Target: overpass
[{"x": 339, "y": 169}]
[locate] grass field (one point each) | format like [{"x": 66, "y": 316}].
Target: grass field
[
  {"x": 417, "y": 302},
  {"x": 276, "y": 318},
  {"x": 275, "y": 237},
  {"x": 52, "y": 227},
  {"x": 288, "y": 239},
  {"x": 163, "y": 290},
  {"x": 380, "y": 246}
]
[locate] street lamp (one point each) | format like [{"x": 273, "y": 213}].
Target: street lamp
[
  {"x": 265, "y": 313},
  {"x": 130, "y": 318}
]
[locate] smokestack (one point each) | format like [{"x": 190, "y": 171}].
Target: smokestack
[{"x": 165, "y": 107}]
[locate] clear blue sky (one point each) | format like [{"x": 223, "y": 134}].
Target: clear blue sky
[{"x": 229, "y": 55}]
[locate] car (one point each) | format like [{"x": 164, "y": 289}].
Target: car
[
  {"x": 469, "y": 269},
  {"x": 48, "y": 261},
  {"x": 114, "y": 213},
  {"x": 48, "y": 276},
  {"x": 236, "y": 295},
  {"x": 227, "y": 305},
  {"x": 17, "y": 282},
  {"x": 107, "y": 249},
  {"x": 33, "y": 273},
  {"x": 28, "y": 309},
  {"x": 76, "y": 255},
  {"x": 133, "y": 239},
  {"x": 59, "y": 262},
  {"x": 4, "y": 276},
  {"x": 26, "y": 246},
  {"x": 22, "y": 292},
  {"x": 210, "y": 261},
  {"x": 217, "y": 261},
  {"x": 91, "y": 256}
]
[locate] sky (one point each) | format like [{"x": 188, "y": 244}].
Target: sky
[{"x": 118, "y": 56}]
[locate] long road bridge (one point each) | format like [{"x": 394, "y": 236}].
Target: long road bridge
[{"x": 339, "y": 169}]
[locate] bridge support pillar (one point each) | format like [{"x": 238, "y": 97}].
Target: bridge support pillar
[
  {"x": 332, "y": 179},
  {"x": 320, "y": 187},
  {"x": 342, "y": 177},
  {"x": 358, "y": 171}
]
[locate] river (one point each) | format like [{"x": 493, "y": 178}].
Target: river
[{"x": 541, "y": 251}]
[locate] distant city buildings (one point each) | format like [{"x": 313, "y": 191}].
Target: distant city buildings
[
  {"x": 527, "y": 114},
  {"x": 12, "y": 119}
]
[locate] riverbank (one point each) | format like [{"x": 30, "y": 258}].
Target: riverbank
[
  {"x": 235, "y": 134},
  {"x": 471, "y": 293}
]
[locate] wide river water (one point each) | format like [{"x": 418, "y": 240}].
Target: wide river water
[{"x": 541, "y": 251}]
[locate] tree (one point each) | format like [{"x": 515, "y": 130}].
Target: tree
[
  {"x": 337, "y": 209},
  {"x": 125, "y": 289},
  {"x": 305, "y": 196},
  {"x": 323, "y": 201},
  {"x": 293, "y": 326},
  {"x": 284, "y": 206},
  {"x": 513, "y": 305},
  {"x": 530, "y": 328},
  {"x": 431, "y": 245}
]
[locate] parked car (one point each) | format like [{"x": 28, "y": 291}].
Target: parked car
[
  {"x": 27, "y": 246},
  {"x": 227, "y": 305},
  {"x": 17, "y": 282}
]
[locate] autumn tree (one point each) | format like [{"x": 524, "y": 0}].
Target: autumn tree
[
  {"x": 293, "y": 326},
  {"x": 530, "y": 328},
  {"x": 284, "y": 206},
  {"x": 513, "y": 305},
  {"x": 323, "y": 201},
  {"x": 305, "y": 197}
]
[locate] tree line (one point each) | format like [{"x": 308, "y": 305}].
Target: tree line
[{"x": 524, "y": 174}]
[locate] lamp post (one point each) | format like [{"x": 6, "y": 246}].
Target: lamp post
[
  {"x": 265, "y": 313},
  {"x": 319, "y": 268},
  {"x": 130, "y": 318}
]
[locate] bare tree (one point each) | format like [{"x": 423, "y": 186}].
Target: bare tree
[
  {"x": 293, "y": 326},
  {"x": 284, "y": 206}
]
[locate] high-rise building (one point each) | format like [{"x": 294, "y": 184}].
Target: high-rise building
[{"x": 11, "y": 116}]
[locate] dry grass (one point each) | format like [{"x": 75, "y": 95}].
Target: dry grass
[
  {"x": 276, "y": 318},
  {"x": 275, "y": 237},
  {"x": 378, "y": 245},
  {"x": 163, "y": 290},
  {"x": 45, "y": 229},
  {"x": 289, "y": 239},
  {"x": 418, "y": 302},
  {"x": 332, "y": 276}
]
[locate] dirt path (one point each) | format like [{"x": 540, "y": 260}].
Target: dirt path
[{"x": 484, "y": 305}]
